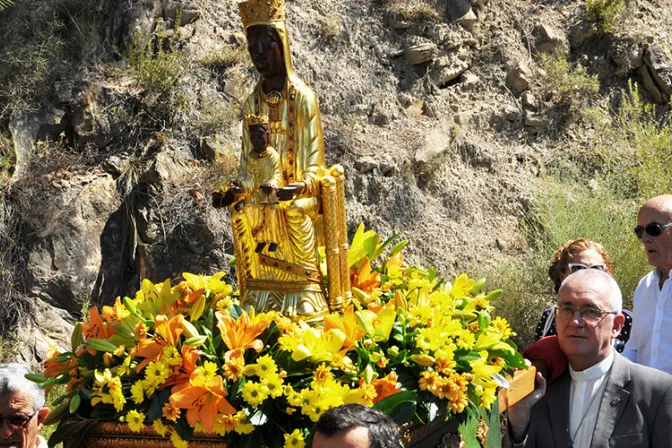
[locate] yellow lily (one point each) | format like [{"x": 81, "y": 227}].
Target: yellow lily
[
  {"x": 347, "y": 324},
  {"x": 319, "y": 346},
  {"x": 378, "y": 326}
]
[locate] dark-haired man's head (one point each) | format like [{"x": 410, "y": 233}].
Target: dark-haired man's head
[{"x": 355, "y": 426}]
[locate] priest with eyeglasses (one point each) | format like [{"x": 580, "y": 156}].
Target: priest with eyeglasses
[
  {"x": 22, "y": 409},
  {"x": 603, "y": 399},
  {"x": 650, "y": 342}
]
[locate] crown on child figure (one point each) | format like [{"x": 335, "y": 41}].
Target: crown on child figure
[
  {"x": 257, "y": 12},
  {"x": 253, "y": 119}
]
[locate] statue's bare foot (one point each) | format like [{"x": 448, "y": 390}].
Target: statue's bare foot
[{"x": 305, "y": 307}]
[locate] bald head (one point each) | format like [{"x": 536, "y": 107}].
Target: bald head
[
  {"x": 654, "y": 228},
  {"x": 662, "y": 204}
]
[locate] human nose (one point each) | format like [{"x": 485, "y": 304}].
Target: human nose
[
  {"x": 5, "y": 429},
  {"x": 578, "y": 321}
]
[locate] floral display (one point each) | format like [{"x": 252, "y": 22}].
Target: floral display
[{"x": 186, "y": 358}]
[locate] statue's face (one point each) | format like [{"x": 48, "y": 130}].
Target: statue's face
[
  {"x": 265, "y": 48},
  {"x": 259, "y": 137}
]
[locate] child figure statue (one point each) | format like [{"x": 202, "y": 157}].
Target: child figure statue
[{"x": 262, "y": 179}]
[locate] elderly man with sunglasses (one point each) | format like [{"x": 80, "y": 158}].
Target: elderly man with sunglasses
[
  {"x": 22, "y": 409},
  {"x": 651, "y": 338},
  {"x": 602, "y": 400}
]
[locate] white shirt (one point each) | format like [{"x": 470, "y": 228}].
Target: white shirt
[
  {"x": 584, "y": 400},
  {"x": 650, "y": 342},
  {"x": 41, "y": 443}
]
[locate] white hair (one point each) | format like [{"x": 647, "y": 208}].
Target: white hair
[
  {"x": 13, "y": 379},
  {"x": 590, "y": 276}
]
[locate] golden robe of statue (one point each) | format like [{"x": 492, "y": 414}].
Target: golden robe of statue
[{"x": 287, "y": 279}]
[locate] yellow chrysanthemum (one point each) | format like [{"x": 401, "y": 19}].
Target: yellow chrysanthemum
[
  {"x": 170, "y": 412},
  {"x": 171, "y": 356},
  {"x": 156, "y": 373},
  {"x": 254, "y": 393},
  {"x": 243, "y": 425},
  {"x": 160, "y": 428},
  {"x": 135, "y": 420},
  {"x": 295, "y": 440},
  {"x": 273, "y": 384},
  {"x": 288, "y": 343},
  {"x": 322, "y": 374},
  {"x": 266, "y": 367},
  {"x": 137, "y": 392},
  {"x": 177, "y": 441},
  {"x": 502, "y": 326}
]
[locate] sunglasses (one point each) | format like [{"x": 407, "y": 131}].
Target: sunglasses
[
  {"x": 574, "y": 267},
  {"x": 653, "y": 229}
]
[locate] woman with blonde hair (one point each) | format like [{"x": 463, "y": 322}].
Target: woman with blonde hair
[{"x": 573, "y": 256}]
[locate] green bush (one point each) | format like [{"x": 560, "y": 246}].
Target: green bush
[
  {"x": 415, "y": 11},
  {"x": 565, "y": 212},
  {"x": 156, "y": 61},
  {"x": 606, "y": 13},
  {"x": 569, "y": 83}
]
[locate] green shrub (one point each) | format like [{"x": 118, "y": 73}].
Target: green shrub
[
  {"x": 156, "y": 65},
  {"x": 415, "y": 11},
  {"x": 606, "y": 13},
  {"x": 569, "y": 83},
  {"x": 223, "y": 58},
  {"x": 565, "y": 212}
]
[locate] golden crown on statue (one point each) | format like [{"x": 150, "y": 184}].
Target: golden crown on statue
[
  {"x": 252, "y": 119},
  {"x": 254, "y": 12}
]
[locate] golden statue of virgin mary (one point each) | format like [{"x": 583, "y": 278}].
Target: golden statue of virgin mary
[{"x": 285, "y": 275}]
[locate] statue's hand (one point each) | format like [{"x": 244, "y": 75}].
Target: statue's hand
[
  {"x": 290, "y": 191},
  {"x": 266, "y": 188},
  {"x": 221, "y": 200}
]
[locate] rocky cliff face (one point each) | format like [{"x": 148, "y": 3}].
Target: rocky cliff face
[{"x": 121, "y": 116}]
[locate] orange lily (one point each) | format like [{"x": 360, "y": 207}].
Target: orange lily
[
  {"x": 180, "y": 380},
  {"x": 96, "y": 327},
  {"x": 166, "y": 332},
  {"x": 203, "y": 400},
  {"x": 115, "y": 312},
  {"x": 241, "y": 333},
  {"x": 385, "y": 386},
  {"x": 364, "y": 278},
  {"x": 347, "y": 324}
]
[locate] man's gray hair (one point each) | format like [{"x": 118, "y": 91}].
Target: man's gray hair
[
  {"x": 13, "y": 379},
  {"x": 591, "y": 276}
]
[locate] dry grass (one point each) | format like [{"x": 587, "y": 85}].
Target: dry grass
[{"x": 415, "y": 11}]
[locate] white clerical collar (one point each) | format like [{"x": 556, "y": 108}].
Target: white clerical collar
[{"x": 595, "y": 372}]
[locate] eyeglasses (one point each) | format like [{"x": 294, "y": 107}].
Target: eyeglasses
[
  {"x": 588, "y": 314},
  {"x": 574, "y": 267},
  {"x": 653, "y": 229},
  {"x": 17, "y": 421}
]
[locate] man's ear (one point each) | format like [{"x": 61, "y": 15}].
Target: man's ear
[
  {"x": 41, "y": 415},
  {"x": 619, "y": 321}
]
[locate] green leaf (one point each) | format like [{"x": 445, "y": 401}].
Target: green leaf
[
  {"x": 381, "y": 247},
  {"x": 387, "y": 404},
  {"x": 468, "y": 430},
  {"x": 494, "y": 438},
  {"x": 398, "y": 247},
  {"x": 236, "y": 311},
  {"x": 469, "y": 356},
  {"x": 183, "y": 429},
  {"x": 500, "y": 380},
  {"x": 64, "y": 430},
  {"x": 370, "y": 245}
]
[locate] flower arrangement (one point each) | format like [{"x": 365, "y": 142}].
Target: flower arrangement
[{"x": 187, "y": 358}]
